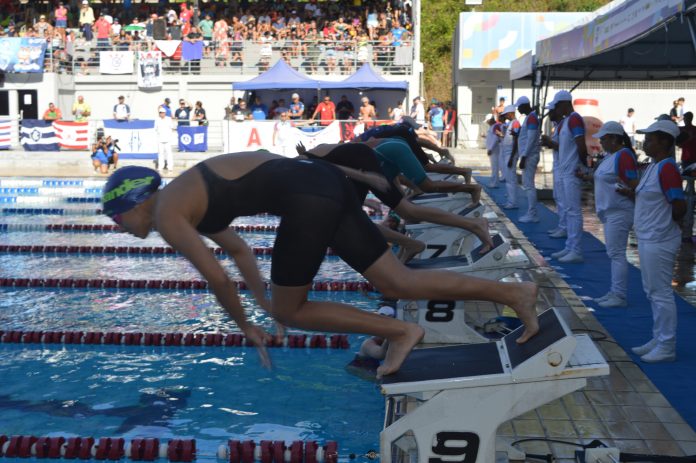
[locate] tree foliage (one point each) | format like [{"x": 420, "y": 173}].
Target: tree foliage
[{"x": 439, "y": 20}]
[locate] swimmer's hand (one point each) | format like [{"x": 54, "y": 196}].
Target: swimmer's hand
[
  {"x": 279, "y": 333},
  {"x": 259, "y": 338}
]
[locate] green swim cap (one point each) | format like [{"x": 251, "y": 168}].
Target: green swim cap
[{"x": 128, "y": 187}]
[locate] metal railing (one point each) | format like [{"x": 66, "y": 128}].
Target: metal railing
[{"x": 245, "y": 57}]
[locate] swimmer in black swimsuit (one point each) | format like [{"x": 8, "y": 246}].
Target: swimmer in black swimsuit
[
  {"x": 362, "y": 157},
  {"x": 318, "y": 208}
]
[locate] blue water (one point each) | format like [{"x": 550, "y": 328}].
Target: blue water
[{"x": 211, "y": 394}]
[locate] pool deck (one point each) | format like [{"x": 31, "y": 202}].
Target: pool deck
[{"x": 624, "y": 410}]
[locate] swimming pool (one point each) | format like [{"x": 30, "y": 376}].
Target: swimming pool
[{"x": 208, "y": 393}]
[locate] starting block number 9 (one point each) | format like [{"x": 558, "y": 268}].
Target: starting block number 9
[
  {"x": 459, "y": 447},
  {"x": 440, "y": 311}
]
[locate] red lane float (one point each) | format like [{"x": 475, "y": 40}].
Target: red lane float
[
  {"x": 130, "y": 250},
  {"x": 360, "y": 286},
  {"x": 315, "y": 341},
  {"x": 277, "y": 452}
]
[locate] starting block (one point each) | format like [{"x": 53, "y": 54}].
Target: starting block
[
  {"x": 446, "y": 201},
  {"x": 445, "y": 404},
  {"x": 444, "y": 241},
  {"x": 497, "y": 263}
]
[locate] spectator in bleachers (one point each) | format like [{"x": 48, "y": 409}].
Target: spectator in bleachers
[
  {"x": 116, "y": 28},
  {"x": 397, "y": 113},
  {"x": 418, "y": 111},
  {"x": 259, "y": 111},
  {"x": 206, "y": 28},
  {"x": 103, "y": 29},
  {"x": 241, "y": 113},
  {"x": 122, "y": 41},
  {"x": 61, "y": 17},
  {"x": 81, "y": 110},
  {"x": 296, "y": 108},
  {"x": 282, "y": 108},
  {"x": 367, "y": 110},
  {"x": 326, "y": 110},
  {"x": 166, "y": 106},
  {"x": 436, "y": 118},
  {"x": 43, "y": 28},
  {"x": 86, "y": 20},
  {"x": 344, "y": 109},
  {"x": 52, "y": 113},
  {"x": 199, "y": 114},
  {"x": 220, "y": 36},
  {"x": 122, "y": 110},
  {"x": 183, "y": 113}
]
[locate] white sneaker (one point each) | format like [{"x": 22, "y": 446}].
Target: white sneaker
[
  {"x": 553, "y": 230},
  {"x": 602, "y": 298},
  {"x": 645, "y": 348},
  {"x": 661, "y": 353},
  {"x": 559, "y": 254},
  {"x": 492, "y": 185},
  {"x": 613, "y": 301},
  {"x": 571, "y": 258},
  {"x": 527, "y": 218},
  {"x": 559, "y": 234},
  {"x": 510, "y": 206}
]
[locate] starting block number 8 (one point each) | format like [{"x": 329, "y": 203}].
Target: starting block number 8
[
  {"x": 459, "y": 447},
  {"x": 440, "y": 311}
]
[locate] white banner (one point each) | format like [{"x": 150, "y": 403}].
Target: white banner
[
  {"x": 256, "y": 135},
  {"x": 168, "y": 47},
  {"x": 136, "y": 139},
  {"x": 116, "y": 62},
  {"x": 149, "y": 69}
]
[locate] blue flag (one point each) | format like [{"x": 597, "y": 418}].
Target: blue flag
[
  {"x": 192, "y": 138},
  {"x": 38, "y": 135},
  {"x": 191, "y": 50}
]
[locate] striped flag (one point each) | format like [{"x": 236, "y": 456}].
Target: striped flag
[
  {"x": 71, "y": 135},
  {"x": 5, "y": 127},
  {"x": 38, "y": 135}
]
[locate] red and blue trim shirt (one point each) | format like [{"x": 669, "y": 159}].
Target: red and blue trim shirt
[
  {"x": 670, "y": 180},
  {"x": 576, "y": 124},
  {"x": 532, "y": 121},
  {"x": 626, "y": 165},
  {"x": 514, "y": 127}
]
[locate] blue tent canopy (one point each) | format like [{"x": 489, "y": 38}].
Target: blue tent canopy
[
  {"x": 280, "y": 76},
  {"x": 366, "y": 78}
]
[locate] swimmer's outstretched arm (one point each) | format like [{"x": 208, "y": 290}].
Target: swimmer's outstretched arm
[
  {"x": 244, "y": 257},
  {"x": 181, "y": 235}
]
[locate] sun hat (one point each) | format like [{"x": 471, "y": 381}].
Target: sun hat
[
  {"x": 522, "y": 100},
  {"x": 667, "y": 127},
  {"x": 609, "y": 128}
]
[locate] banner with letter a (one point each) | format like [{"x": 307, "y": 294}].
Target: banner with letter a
[
  {"x": 72, "y": 135},
  {"x": 137, "y": 139},
  {"x": 270, "y": 135},
  {"x": 38, "y": 135},
  {"x": 192, "y": 138},
  {"x": 149, "y": 69}
]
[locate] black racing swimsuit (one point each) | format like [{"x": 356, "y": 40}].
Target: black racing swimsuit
[
  {"x": 361, "y": 157},
  {"x": 317, "y": 206}
]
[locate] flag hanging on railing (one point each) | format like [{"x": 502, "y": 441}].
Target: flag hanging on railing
[
  {"x": 72, "y": 135},
  {"x": 136, "y": 139},
  {"x": 192, "y": 138},
  {"x": 116, "y": 62},
  {"x": 149, "y": 69},
  {"x": 38, "y": 135},
  {"x": 5, "y": 129}
]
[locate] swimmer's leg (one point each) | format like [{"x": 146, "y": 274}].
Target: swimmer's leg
[
  {"x": 291, "y": 307},
  {"x": 414, "y": 212},
  {"x": 395, "y": 280}
]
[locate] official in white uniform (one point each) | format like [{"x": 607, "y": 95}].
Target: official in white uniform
[
  {"x": 529, "y": 143},
  {"x": 508, "y": 152},
  {"x": 559, "y": 231},
  {"x": 618, "y": 169},
  {"x": 572, "y": 156},
  {"x": 493, "y": 138},
  {"x": 660, "y": 205},
  {"x": 163, "y": 129}
]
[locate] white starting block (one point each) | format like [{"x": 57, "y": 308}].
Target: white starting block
[
  {"x": 444, "y": 322},
  {"x": 497, "y": 263},
  {"x": 445, "y": 404},
  {"x": 446, "y": 201},
  {"x": 444, "y": 241}
]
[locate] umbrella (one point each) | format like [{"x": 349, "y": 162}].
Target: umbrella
[{"x": 134, "y": 27}]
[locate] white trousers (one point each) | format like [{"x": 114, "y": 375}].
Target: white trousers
[
  {"x": 510, "y": 174},
  {"x": 573, "y": 212},
  {"x": 558, "y": 198},
  {"x": 528, "y": 174},
  {"x": 164, "y": 155},
  {"x": 494, "y": 159},
  {"x": 617, "y": 224},
  {"x": 656, "y": 267}
]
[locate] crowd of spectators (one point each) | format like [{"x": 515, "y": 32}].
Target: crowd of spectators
[{"x": 343, "y": 33}]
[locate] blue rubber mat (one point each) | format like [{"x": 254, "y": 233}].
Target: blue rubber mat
[{"x": 631, "y": 326}]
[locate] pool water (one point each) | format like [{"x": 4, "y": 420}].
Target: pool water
[{"x": 211, "y": 394}]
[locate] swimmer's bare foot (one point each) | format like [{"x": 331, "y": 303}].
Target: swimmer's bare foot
[
  {"x": 525, "y": 308},
  {"x": 399, "y": 349},
  {"x": 408, "y": 251},
  {"x": 480, "y": 229}
]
